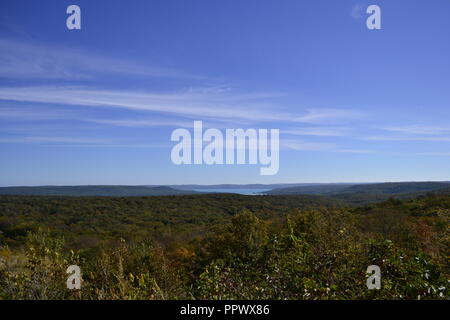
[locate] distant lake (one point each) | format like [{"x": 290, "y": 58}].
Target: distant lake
[{"x": 247, "y": 192}]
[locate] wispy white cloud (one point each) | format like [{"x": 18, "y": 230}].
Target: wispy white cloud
[
  {"x": 64, "y": 139},
  {"x": 318, "y": 131},
  {"x": 36, "y": 113},
  {"x": 327, "y": 115},
  {"x": 298, "y": 145},
  {"x": 420, "y": 130},
  {"x": 409, "y": 138},
  {"x": 190, "y": 104},
  {"x": 413, "y": 133},
  {"x": 73, "y": 142},
  {"x": 51, "y": 140},
  {"x": 363, "y": 151},
  {"x": 133, "y": 123},
  {"x": 124, "y": 146},
  {"x": 27, "y": 60},
  {"x": 307, "y": 146},
  {"x": 62, "y": 142}
]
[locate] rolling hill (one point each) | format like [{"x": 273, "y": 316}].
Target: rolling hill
[
  {"x": 367, "y": 193},
  {"x": 101, "y": 191}
]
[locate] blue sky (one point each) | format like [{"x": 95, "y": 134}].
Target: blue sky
[{"x": 98, "y": 105}]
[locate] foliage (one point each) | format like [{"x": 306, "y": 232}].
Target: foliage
[{"x": 223, "y": 247}]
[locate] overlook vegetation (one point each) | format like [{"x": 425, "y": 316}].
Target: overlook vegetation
[{"x": 223, "y": 246}]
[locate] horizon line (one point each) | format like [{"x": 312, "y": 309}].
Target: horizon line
[{"x": 218, "y": 184}]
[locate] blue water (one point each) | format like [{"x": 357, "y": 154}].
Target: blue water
[{"x": 247, "y": 192}]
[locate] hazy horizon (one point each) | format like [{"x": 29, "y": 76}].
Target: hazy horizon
[{"x": 222, "y": 184}]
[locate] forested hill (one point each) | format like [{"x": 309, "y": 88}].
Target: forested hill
[
  {"x": 366, "y": 193},
  {"x": 399, "y": 187},
  {"x": 101, "y": 191},
  {"x": 349, "y": 193},
  {"x": 87, "y": 220}
]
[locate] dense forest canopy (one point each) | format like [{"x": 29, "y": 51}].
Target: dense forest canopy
[
  {"x": 360, "y": 194},
  {"x": 220, "y": 246}
]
